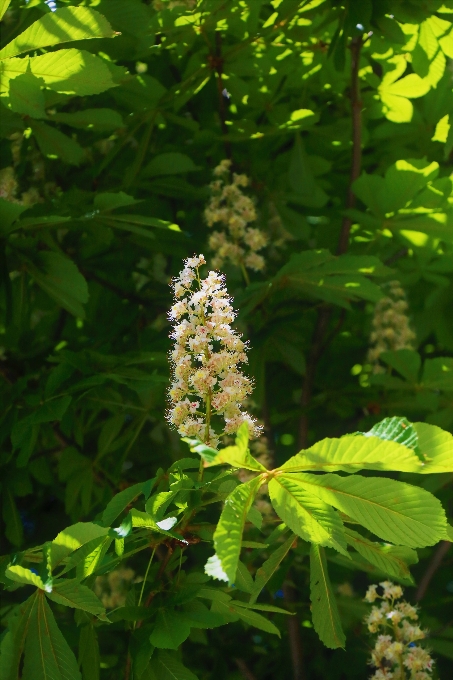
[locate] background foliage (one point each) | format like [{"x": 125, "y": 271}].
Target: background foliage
[{"x": 114, "y": 114}]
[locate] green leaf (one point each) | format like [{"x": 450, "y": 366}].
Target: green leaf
[
  {"x": 14, "y": 531},
  {"x": 254, "y": 619},
  {"x": 238, "y": 455},
  {"x": 326, "y": 619},
  {"x": 228, "y": 534},
  {"x": 171, "y": 629},
  {"x": 71, "y": 593},
  {"x": 301, "y": 177},
  {"x": 394, "y": 511},
  {"x": 305, "y": 515},
  {"x": 98, "y": 120},
  {"x": 4, "y": 4},
  {"x": 64, "y": 25},
  {"x": 22, "y": 575},
  {"x": 436, "y": 446},
  {"x": 122, "y": 499},
  {"x": 47, "y": 654},
  {"x": 398, "y": 430},
  {"x": 13, "y": 643},
  {"x": 9, "y": 212},
  {"x": 340, "y": 280},
  {"x": 132, "y": 222},
  {"x": 54, "y": 144},
  {"x": 110, "y": 201},
  {"x": 170, "y": 163},
  {"x": 26, "y": 96},
  {"x": 391, "y": 560},
  {"x": 405, "y": 361},
  {"x": 269, "y": 567},
  {"x": 166, "y": 666},
  {"x": 59, "y": 277},
  {"x": 69, "y": 71},
  {"x": 89, "y": 659},
  {"x": 72, "y": 538},
  {"x": 355, "y": 452},
  {"x": 199, "y": 616}
]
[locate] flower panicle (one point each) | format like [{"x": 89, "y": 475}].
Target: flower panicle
[
  {"x": 236, "y": 242},
  {"x": 206, "y": 377},
  {"x": 396, "y": 655}
]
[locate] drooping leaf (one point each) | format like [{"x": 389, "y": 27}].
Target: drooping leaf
[
  {"x": 22, "y": 575},
  {"x": 12, "y": 646},
  {"x": 394, "y": 511},
  {"x": 253, "y": 619},
  {"x": 71, "y": 593},
  {"x": 269, "y": 567},
  {"x": 352, "y": 453},
  {"x": 304, "y": 514},
  {"x": 324, "y": 609},
  {"x": 228, "y": 534},
  {"x": 391, "y": 560},
  {"x": 122, "y": 499},
  {"x": 59, "y": 277},
  {"x": 89, "y": 658},
  {"x": 47, "y": 654}
]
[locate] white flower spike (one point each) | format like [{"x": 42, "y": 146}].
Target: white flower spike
[{"x": 207, "y": 380}]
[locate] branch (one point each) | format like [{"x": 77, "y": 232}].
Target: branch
[
  {"x": 356, "y": 106},
  {"x": 244, "y": 670},
  {"x": 217, "y": 64},
  {"x": 295, "y": 639},
  {"x": 433, "y": 566}
]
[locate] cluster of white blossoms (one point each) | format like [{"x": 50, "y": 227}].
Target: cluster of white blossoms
[
  {"x": 207, "y": 380},
  {"x": 391, "y": 329},
  {"x": 396, "y": 655},
  {"x": 228, "y": 206}
]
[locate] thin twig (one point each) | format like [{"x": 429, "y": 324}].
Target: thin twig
[
  {"x": 433, "y": 566},
  {"x": 244, "y": 670},
  {"x": 217, "y": 62},
  {"x": 295, "y": 638},
  {"x": 356, "y": 106}
]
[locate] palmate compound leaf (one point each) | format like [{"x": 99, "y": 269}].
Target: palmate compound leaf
[
  {"x": 355, "y": 452},
  {"x": 121, "y": 500},
  {"x": 228, "y": 534},
  {"x": 305, "y": 514},
  {"x": 64, "y": 25},
  {"x": 394, "y": 511},
  {"x": 390, "y": 559},
  {"x": 47, "y": 654},
  {"x": 326, "y": 619}
]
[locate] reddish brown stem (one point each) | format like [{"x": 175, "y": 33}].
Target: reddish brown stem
[
  {"x": 356, "y": 106},
  {"x": 244, "y": 670},
  {"x": 217, "y": 62},
  {"x": 294, "y": 636},
  {"x": 433, "y": 566}
]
